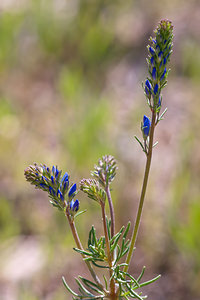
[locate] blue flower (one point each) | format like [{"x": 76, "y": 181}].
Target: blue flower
[
  {"x": 64, "y": 182},
  {"x": 146, "y": 125},
  {"x": 43, "y": 185},
  {"x": 163, "y": 74},
  {"x": 155, "y": 89},
  {"x": 159, "y": 104},
  {"x": 160, "y": 54},
  {"x": 152, "y": 51},
  {"x": 74, "y": 205},
  {"x": 52, "y": 179},
  {"x": 72, "y": 190},
  {"x": 60, "y": 195},
  {"x": 148, "y": 88},
  {"x": 65, "y": 178},
  {"x": 152, "y": 60},
  {"x": 154, "y": 73},
  {"x": 51, "y": 191},
  {"x": 56, "y": 173}
]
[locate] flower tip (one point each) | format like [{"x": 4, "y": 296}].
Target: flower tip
[
  {"x": 72, "y": 190},
  {"x": 146, "y": 125}
]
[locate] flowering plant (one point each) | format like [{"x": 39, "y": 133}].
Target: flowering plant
[{"x": 113, "y": 251}]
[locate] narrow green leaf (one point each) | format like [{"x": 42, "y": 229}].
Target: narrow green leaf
[
  {"x": 99, "y": 266},
  {"x": 116, "y": 236},
  {"x": 131, "y": 292},
  {"x": 115, "y": 243},
  {"x": 141, "y": 274},
  {"x": 106, "y": 282},
  {"x": 82, "y": 251},
  {"x": 164, "y": 112},
  {"x": 124, "y": 252},
  {"x": 83, "y": 290},
  {"x": 68, "y": 288},
  {"x": 139, "y": 142},
  {"x": 127, "y": 230},
  {"x": 150, "y": 281},
  {"x": 91, "y": 285},
  {"x": 80, "y": 213}
]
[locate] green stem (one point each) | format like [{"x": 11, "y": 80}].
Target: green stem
[
  {"x": 79, "y": 246},
  {"x": 143, "y": 192},
  {"x": 112, "y": 214},
  {"x": 112, "y": 283}
]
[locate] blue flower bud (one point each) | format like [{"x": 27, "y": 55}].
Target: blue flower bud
[
  {"x": 160, "y": 54},
  {"x": 146, "y": 125},
  {"x": 157, "y": 47},
  {"x": 72, "y": 190},
  {"x": 155, "y": 89},
  {"x": 51, "y": 191},
  {"x": 154, "y": 73},
  {"x": 56, "y": 173},
  {"x": 152, "y": 60},
  {"x": 52, "y": 179},
  {"x": 164, "y": 61},
  {"x": 53, "y": 169},
  {"x": 65, "y": 178},
  {"x": 152, "y": 51},
  {"x": 163, "y": 74},
  {"x": 43, "y": 185},
  {"x": 74, "y": 205},
  {"x": 159, "y": 104},
  {"x": 148, "y": 88},
  {"x": 148, "y": 84},
  {"x": 60, "y": 195},
  {"x": 44, "y": 178}
]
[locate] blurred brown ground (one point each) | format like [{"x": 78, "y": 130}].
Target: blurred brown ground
[{"x": 70, "y": 91}]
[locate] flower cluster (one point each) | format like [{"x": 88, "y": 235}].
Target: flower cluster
[
  {"x": 57, "y": 186},
  {"x": 93, "y": 189},
  {"x": 105, "y": 171},
  {"x": 159, "y": 52}
]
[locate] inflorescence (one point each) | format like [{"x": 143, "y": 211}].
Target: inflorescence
[
  {"x": 58, "y": 187},
  {"x": 159, "y": 52}
]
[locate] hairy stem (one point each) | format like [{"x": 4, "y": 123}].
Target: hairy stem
[
  {"x": 112, "y": 214},
  {"x": 79, "y": 246},
  {"x": 143, "y": 192},
  {"x": 112, "y": 283}
]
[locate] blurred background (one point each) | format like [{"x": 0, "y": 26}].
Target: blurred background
[{"x": 70, "y": 92}]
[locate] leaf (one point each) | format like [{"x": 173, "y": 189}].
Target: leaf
[
  {"x": 68, "y": 288},
  {"x": 150, "y": 281},
  {"x": 141, "y": 274},
  {"x": 127, "y": 230},
  {"x": 80, "y": 213},
  {"x": 82, "y": 252},
  {"x": 139, "y": 143},
  {"x": 83, "y": 290},
  {"x": 164, "y": 112},
  {"x": 93, "y": 286}
]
